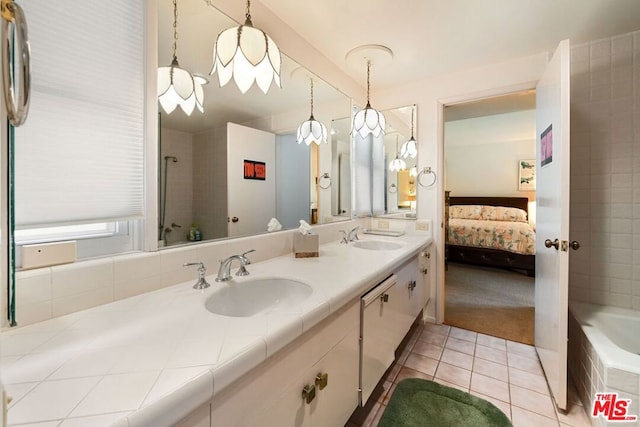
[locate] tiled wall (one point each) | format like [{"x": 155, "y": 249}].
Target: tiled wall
[
  {"x": 46, "y": 293},
  {"x": 591, "y": 376},
  {"x": 605, "y": 171}
]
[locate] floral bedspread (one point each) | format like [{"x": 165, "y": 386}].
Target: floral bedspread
[{"x": 517, "y": 237}]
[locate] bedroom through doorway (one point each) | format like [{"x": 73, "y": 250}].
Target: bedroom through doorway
[{"x": 489, "y": 179}]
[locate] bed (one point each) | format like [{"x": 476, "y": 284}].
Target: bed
[{"x": 489, "y": 231}]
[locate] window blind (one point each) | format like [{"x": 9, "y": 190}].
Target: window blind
[
  {"x": 79, "y": 157},
  {"x": 369, "y": 175}
]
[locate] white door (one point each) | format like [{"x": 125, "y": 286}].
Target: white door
[
  {"x": 251, "y": 180},
  {"x": 552, "y": 212}
]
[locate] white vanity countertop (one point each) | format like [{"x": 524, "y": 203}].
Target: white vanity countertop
[{"x": 154, "y": 358}]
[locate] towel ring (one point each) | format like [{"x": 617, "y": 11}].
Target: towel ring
[
  {"x": 393, "y": 188},
  {"x": 426, "y": 171},
  {"x": 328, "y": 183},
  {"x": 12, "y": 14}
]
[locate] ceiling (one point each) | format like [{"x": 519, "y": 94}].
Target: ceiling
[
  {"x": 427, "y": 37},
  {"x": 433, "y": 37}
]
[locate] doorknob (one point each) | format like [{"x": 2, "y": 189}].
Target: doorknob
[
  {"x": 556, "y": 243},
  {"x": 234, "y": 219},
  {"x": 574, "y": 245}
]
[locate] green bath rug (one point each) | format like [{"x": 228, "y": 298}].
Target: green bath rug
[{"x": 419, "y": 403}]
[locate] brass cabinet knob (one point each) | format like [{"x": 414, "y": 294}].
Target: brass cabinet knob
[
  {"x": 384, "y": 297},
  {"x": 424, "y": 271},
  {"x": 322, "y": 380},
  {"x": 309, "y": 393}
]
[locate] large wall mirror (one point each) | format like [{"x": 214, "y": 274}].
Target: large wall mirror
[
  {"x": 400, "y": 163},
  {"x": 204, "y": 192}
]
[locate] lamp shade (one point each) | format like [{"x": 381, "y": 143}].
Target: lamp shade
[
  {"x": 248, "y": 55},
  {"x": 369, "y": 121},
  {"x": 312, "y": 131},
  {"x": 177, "y": 87},
  {"x": 397, "y": 165},
  {"x": 409, "y": 149}
]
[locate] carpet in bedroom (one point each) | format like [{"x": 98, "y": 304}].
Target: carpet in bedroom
[{"x": 491, "y": 301}]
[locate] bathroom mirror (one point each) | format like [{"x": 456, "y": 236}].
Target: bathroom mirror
[
  {"x": 400, "y": 185},
  {"x": 204, "y": 192}
]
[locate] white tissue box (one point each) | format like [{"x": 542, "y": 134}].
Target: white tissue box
[{"x": 305, "y": 245}]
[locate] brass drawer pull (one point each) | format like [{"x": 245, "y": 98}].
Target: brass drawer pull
[
  {"x": 309, "y": 393},
  {"x": 322, "y": 380}
]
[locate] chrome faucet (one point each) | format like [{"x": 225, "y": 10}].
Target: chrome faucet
[
  {"x": 224, "y": 272},
  {"x": 350, "y": 236},
  {"x": 202, "y": 282}
]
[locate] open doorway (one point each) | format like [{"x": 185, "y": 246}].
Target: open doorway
[{"x": 489, "y": 160}]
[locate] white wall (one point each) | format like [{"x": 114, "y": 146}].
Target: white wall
[
  {"x": 430, "y": 95},
  {"x": 605, "y": 171},
  {"x": 482, "y": 154}
]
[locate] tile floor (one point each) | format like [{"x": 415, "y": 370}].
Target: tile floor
[{"x": 506, "y": 373}]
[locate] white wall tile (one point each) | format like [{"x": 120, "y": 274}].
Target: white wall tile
[{"x": 79, "y": 278}]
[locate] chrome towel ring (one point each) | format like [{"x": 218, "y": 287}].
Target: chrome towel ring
[
  {"x": 13, "y": 21},
  {"x": 327, "y": 183},
  {"x": 426, "y": 171}
]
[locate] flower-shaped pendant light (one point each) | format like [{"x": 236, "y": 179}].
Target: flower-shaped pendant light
[
  {"x": 410, "y": 148},
  {"x": 177, "y": 86},
  {"x": 247, "y": 54},
  {"x": 369, "y": 120},
  {"x": 312, "y": 130},
  {"x": 397, "y": 164}
]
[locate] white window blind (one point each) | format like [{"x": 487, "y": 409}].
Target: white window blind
[
  {"x": 369, "y": 175},
  {"x": 80, "y": 155}
]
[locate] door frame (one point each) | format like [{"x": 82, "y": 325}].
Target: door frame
[{"x": 440, "y": 188}]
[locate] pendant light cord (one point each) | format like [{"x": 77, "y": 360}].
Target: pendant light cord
[
  {"x": 247, "y": 15},
  {"x": 175, "y": 30},
  {"x": 311, "y": 99},
  {"x": 412, "y": 110},
  {"x": 368, "y": 82}
]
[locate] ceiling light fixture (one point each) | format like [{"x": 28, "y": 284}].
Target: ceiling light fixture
[
  {"x": 312, "y": 130},
  {"x": 369, "y": 120},
  {"x": 176, "y": 86},
  {"x": 247, "y": 54},
  {"x": 410, "y": 148},
  {"x": 397, "y": 164}
]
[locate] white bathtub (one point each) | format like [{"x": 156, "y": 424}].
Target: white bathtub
[{"x": 613, "y": 332}]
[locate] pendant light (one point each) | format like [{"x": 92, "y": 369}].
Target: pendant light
[
  {"x": 176, "y": 86},
  {"x": 397, "y": 164},
  {"x": 312, "y": 130},
  {"x": 410, "y": 148},
  {"x": 369, "y": 120},
  {"x": 247, "y": 54}
]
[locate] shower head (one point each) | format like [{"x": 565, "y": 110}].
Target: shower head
[{"x": 175, "y": 159}]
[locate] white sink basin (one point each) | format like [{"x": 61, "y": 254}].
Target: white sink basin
[
  {"x": 248, "y": 298},
  {"x": 376, "y": 245}
]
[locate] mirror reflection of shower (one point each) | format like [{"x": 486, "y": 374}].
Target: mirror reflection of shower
[{"x": 162, "y": 230}]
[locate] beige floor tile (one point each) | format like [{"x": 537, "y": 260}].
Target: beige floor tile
[
  {"x": 524, "y": 363},
  {"x": 528, "y": 380},
  {"x": 421, "y": 363},
  {"x": 523, "y": 418},
  {"x": 575, "y": 416},
  {"x": 411, "y": 373},
  {"x": 503, "y": 406},
  {"x": 493, "y": 342},
  {"x": 440, "y": 329},
  {"x": 431, "y": 337},
  {"x": 492, "y": 354},
  {"x": 453, "y": 374},
  {"x": 532, "y": 401},
  {"x": 458, "y": 359},
  {"x": 430, "y": 350},
  {"x": 490, "y": 386},
  {"x": 460, "y": 345},
  {"x": 491, "y": 369},
  {"x": 463, "y": 334},
  {"x": 522, "y": 349},
  {"x": 452, "y": 385}
]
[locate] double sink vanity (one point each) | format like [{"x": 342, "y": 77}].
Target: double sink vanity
[{"x": 299, "y": 341}]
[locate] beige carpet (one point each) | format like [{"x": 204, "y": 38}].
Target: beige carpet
[{"x": 490, "y": 301}]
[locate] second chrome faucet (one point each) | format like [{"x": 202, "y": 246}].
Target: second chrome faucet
[{"x": 224, "y": 272}]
